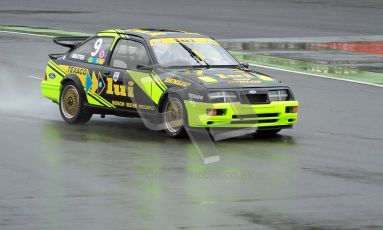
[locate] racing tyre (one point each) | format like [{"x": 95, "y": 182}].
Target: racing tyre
[
  {"x": 267, "y": 133},
  {"x": 72, "y": 107},
  {"x": 174, "y": 116}
]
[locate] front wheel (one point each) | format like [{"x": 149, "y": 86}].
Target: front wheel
[
  {"x": 72, "y": 107},
  {"x": 174, "y": 116}
]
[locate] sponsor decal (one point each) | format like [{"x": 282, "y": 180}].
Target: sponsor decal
[
  {"x": 146, "y": 107},
  {"x": 116, "y": 75},
  {"x": 87, "y": 78},
  {"x": 207, "y": 79},
  {"x": 132, "y": 105},
  {"x": 88, "y": 82},
  {"x": 77, "y": 71},
  {"x": 94, "y": 82},
  {"x": 265, "y": 78},
  {"x": 244, "y": 82},
  {"x": 177, "y": 82},
  {"x": 78, "y": 57},
  {"x": 119, "y": 90},
  {"x": 151, "y": 33},
  {"x": 235, "y": 76},
  {"x": 157, "y": 41},
  {"x": 118, "y": 103},
  {"x": 252, "y": 91},
  {"x": 199, "y": 72},
  {"x": 91, "y": 80},
  {"x": 195, "y": 96},
  {"x": 101, "y": 54},
  {"x": 52, "y": 76},
  {"x": 94, "y": 60},
  {"x": 101, "y": 84},
  {"x": 96, "y": 47}
]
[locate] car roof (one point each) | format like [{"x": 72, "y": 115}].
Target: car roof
[{"x": 149, "y": 33}]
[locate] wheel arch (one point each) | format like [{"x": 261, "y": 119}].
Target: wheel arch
[
  {"x": 173, "y": 90},
  {"x": 180, "y": 92},
  {"x": 77, "y": 82}
]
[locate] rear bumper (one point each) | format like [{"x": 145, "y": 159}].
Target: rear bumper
[
  {"x": 50, "y": 90},
  {"x": 239, "y": 115}
]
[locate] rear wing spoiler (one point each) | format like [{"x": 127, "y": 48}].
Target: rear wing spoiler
[{"x": 69, "y": 42}]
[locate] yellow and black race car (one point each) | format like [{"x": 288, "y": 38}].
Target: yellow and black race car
[{"x": 172, "y": 79}]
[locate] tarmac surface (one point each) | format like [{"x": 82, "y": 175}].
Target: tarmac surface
[
  {"x": 113, "y": 173},
  {"x": 218, "y": 18}
]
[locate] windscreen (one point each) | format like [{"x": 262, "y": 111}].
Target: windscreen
[{"x": 171, "y": 52}]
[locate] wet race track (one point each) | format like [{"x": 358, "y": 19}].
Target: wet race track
[{"x": 113, "y": 173}]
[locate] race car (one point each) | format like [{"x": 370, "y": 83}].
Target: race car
[{"x": 174, "y": 80}]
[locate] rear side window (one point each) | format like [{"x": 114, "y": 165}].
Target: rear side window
[{"x": 93, "y": 51}]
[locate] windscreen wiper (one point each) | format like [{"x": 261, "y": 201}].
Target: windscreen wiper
[{"x": 193, "y": 54}]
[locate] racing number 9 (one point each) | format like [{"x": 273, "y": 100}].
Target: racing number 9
[{"x": 97, "y": 46}]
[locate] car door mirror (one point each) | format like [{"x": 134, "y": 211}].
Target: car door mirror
[{"x": 245, "y": 65}]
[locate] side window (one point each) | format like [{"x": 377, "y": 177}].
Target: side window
[
  {"x": 129, "y": 55},
  {"x": 93, "y": 51}
]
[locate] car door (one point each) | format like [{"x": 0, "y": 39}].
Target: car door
[
  {"x": 128, "y": 77},
  {"x": 86, "y": 62}
]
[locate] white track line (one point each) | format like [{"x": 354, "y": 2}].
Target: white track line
[
  {"x": 38, "y": 35},
  {"x": 39, "y": 78},
  {"x": 316, "y": 75}
]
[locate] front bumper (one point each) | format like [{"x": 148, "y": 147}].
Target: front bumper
[{"x": 239, "y": 115}]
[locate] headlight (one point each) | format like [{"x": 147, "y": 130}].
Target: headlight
[
  {"x": 222, "y": 96},
  {"x": 278, "y": 95}
]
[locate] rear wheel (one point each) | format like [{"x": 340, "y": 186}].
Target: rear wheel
[
  {"x": 174, "y": 116},
  {"x": 72, "y": 107}
]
